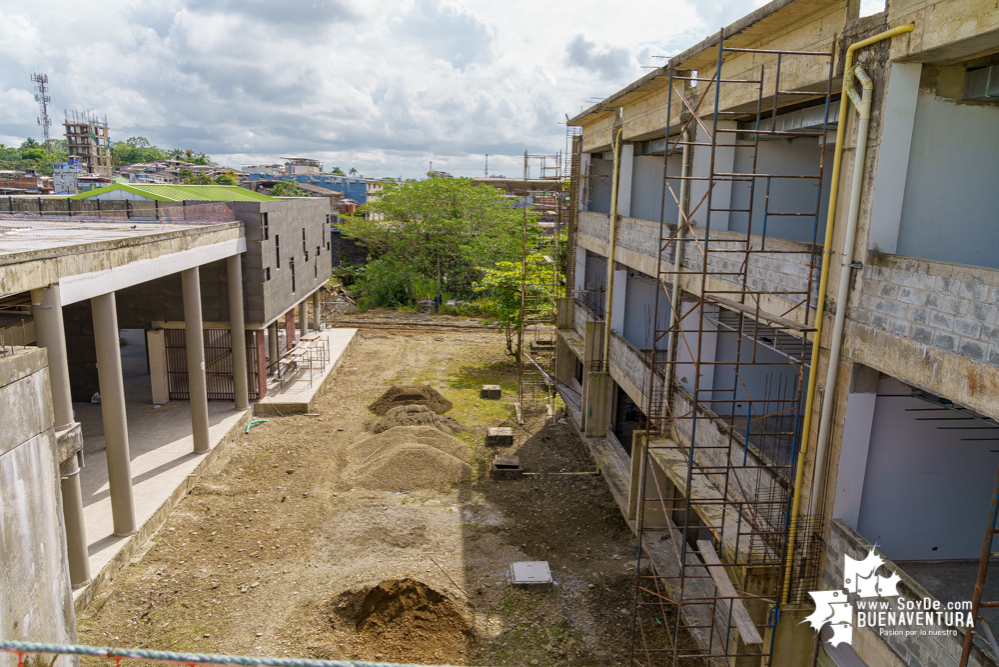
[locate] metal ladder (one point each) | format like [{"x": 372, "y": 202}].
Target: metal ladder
[{"x": 983, "y": 572}]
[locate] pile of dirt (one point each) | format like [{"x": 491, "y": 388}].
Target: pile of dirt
[
  {"x": 411, "y": 395},
  {"x": 416, "y": 415},
  {"x": 406, "y": 618},
  {"x": 408, "y": 457}
]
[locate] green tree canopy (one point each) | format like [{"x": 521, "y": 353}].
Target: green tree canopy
[
  {"x": 448, "y": 223},
  {"x": 287, "y": 188}
]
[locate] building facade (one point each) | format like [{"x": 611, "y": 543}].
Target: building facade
[{"x": 782, "y": 292}]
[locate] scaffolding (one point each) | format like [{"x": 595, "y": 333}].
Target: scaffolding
[
  {"x": 718, "y": 458},
  {"x": 541, "y": 281}
]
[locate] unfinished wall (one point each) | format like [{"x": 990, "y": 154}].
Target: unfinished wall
[
  {"x": 952, "y": 184},
  {"x": 640, "y": 308},
  {"x": 647, "y": 195},
  {"x": 35, "y": 598},
  {"x": 783, "y": 156},
  {"x": 600, "y": 184},
  {"x": 935, "y": 478}
]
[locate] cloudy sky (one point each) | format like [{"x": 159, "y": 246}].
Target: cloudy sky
[{"x": 382, "y": 86}]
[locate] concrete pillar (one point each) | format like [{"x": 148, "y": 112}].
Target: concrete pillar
[
  {"x": 46, "y": 309},
  {"x": 638, "y": 440},
  {"x": 113, "y": 411},
  {"x": 156, "y": 351},
  {"x": 76, "y": 534},
  {"x": 565, "y": 313},
  {"x": 858, "y": 421},
  {"x": 303, "y": 319},
  {"x": 195, "y": 342},
  {"x": 272, "y": 347},
  {"x": 618, "y": 301},
  {"x": 624, "y": 179},
  {"x": 289, "y": 329},
  {"x": 237, "y": 329},
  {"x": 599, "y": 404},
  {"x": 317, "y": 314}
]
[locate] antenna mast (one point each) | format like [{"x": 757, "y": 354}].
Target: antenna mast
[{"x": 42, "y": 97}]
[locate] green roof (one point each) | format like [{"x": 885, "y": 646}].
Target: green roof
[{"x": 181, "y": 192}]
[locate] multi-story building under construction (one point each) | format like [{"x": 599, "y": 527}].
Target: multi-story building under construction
[
  {"x": 781, "y": 334},
  {"x": 87, "y": 139}
]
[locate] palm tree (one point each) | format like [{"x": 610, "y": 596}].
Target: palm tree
[{"x": 352, "y": 172}]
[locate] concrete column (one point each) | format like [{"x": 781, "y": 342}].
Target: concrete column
[
  {"x": 599, "y": 403},
  {"x": 156, "y": 351},
  {"x": 618, "y": 301},
  {"x": 624, "y": 179},
  {"x": 303, "y": 319},
  {"x": 856, "y": 442},
  {"x": 272, "y": 346},
  {"x": 194, "y": 335},
  {"x": 316, "y": 311},
  {"x": 638, "y": 439},
  {"x": 237, "y": 329},
  {"x": 46, "y": 309},
  {"x": 113, "y": 411},
  {"x": 76, "y": 534}
]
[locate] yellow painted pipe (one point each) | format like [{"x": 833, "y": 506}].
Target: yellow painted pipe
[
  {"x": 608, "y": 299},
  {"x": 820, "y": 308}
]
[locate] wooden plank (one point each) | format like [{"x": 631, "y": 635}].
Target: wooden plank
[
  {"x": 783, "y": 322},
  {"x": 743, "y": 621}
]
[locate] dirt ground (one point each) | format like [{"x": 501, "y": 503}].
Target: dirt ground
[{"x": 273, "y": 552}]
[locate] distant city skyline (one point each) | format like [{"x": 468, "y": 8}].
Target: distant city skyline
[{"x": 380, "y": 86}]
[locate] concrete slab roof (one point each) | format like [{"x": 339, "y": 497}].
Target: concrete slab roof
[
  {"x": 86, "y": 257},
  {"x": 180, "y": 193},
  {"x": 752, "y": 27}
]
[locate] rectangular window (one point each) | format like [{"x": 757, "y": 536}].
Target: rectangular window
[
  {"x": 277, "y": 250},
  {"x": 267, "y": 273},
  {"x": 319, "y": 250},
  {"x": 305, "y": 248},
  {"x": 291, "y": 263},
  {"x": 267, "y": 227}
]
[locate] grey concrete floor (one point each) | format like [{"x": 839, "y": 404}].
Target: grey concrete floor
[
  {"x": 952, "y": 581},
  {"x": 160, "y": 446}
]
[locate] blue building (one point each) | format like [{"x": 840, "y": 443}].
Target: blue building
[{"x": 352, "y": 188}]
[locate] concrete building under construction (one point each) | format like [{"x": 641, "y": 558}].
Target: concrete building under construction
[
  {"x": 780, "y": 339},
  {"x": 88, "y": 141}
]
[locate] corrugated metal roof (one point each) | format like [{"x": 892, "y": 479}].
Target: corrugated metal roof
[{"x": 182, "y": 192}]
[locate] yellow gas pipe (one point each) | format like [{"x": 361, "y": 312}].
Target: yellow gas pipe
[
  {"x": 820, "y": 308},
  {"x": 610, "y": 253}
]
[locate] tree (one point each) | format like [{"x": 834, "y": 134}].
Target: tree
[
  {"x": 352, "y": 171},
  {"x": 135, "y": 150},
  {"x": 287, "y": 189},
  {"x": 226, "y": 179},
  {"x": 444, "y": 230},
  {"x": 501, "y": 285},
  {"x": 336, "y": 170}
]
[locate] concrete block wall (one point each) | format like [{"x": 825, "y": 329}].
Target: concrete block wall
[
  {"x": 285, "y": 220},
  {"x": 36, "y": 602},
  {"x": 779, "y": 272},
  {"x": 162, "y": 300},
  {"x": 64, "y": 206},
  {"x": 946, "y": 306},
  {"x": 81, "y": 353},
  {"x": 346, "y": 250},
  {"x": 918, "y": 650}
]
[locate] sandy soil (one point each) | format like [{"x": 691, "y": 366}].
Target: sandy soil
[{"x": 272, "y": 548}]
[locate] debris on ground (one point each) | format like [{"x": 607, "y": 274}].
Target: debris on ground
[
  {"x": 411, "y": 395},
  {"x": 416, "y": 415},
  {"x": 408, "y": 457}
]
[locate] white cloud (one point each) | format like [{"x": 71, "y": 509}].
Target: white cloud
[{"x": 384, "y": 86}]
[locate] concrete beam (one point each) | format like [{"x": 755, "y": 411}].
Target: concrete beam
[{"x": 87, "y": 285}]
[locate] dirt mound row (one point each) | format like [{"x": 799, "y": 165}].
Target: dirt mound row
[
  {"x": 416, "y": 415},
  {"x": 403, "y": 618},
  {"x": 411, "y": 395},
  {"x": 408, "y": 457}
]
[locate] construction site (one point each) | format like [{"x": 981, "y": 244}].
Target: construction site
[{"x": 756, "y": 286}]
